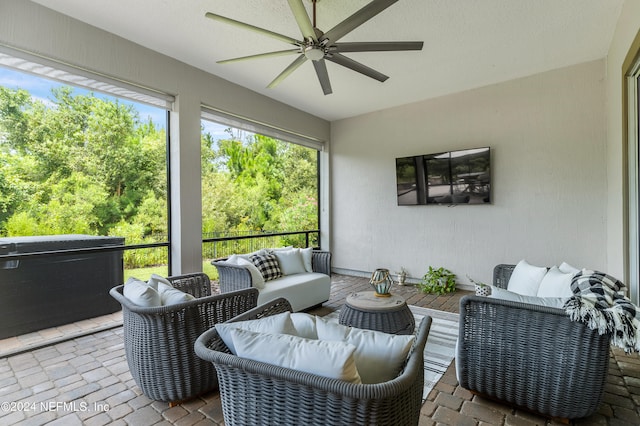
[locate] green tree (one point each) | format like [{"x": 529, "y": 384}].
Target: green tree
[
  {"x": 78, "y": 164},
  {"x": 259, "y": 183}
]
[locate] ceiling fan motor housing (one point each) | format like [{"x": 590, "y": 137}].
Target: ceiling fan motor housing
[{"x": 315, "y": 53}]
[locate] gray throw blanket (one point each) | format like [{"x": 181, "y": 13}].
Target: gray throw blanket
[{"x": 599, "y": 301}]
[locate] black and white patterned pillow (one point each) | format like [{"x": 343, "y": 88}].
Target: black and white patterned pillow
[{"x": 268, "y": 265}]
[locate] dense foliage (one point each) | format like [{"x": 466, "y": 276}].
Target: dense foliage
[{"x": 83, "y": 164}]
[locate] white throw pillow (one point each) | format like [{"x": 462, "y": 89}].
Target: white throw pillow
[
  {"x": 290, "y": 261},
  {"x": 304, "y": 325},
  {"x": 172, "y": 296},
  {"x": 141, "y": 293},
  {"x": 526, "y": 278},
  {"x": 553, "y": 302},
  {"x": 566, "y": 268},
  {"x": 156, "y": 279},
  {"x": 276, "y": 324},
  {"x": 379, "y": 356},
  {"x": 273, "y": 250},
  {"x": 556, "y": 284},
  {"x": 169, "y": 295},
  {"x": 328, "y": 359},
  {"x": 256, "y": 277},
  {"x": 307, "y": 256},
  {"x": 247, "y": 255}
]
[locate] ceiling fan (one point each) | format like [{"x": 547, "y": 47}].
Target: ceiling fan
[{"x": 319, "y": 46}]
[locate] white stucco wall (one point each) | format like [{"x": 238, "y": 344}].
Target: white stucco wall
[{"x": 549, "y": 179}]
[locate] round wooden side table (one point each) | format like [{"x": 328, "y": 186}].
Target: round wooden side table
[{"x": 389, "y": 314}]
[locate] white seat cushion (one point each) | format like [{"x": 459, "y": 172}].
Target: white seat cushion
[
  {"x": 553, "y": 302},
  {"x": 301, "y": 290}
]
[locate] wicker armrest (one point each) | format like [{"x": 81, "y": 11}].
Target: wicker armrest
[
  {"x": 321, "y": 261},
  {"x": 232, "y": 277},
  {"x": 531, "y": 356},
  {"x": 501, "y": 275}
]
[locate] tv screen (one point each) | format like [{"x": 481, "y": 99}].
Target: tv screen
[{"x": 453, "y": 177}]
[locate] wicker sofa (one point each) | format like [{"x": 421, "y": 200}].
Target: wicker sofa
[
  {"x": 530, "y": 356},
  {"x": 256, "y": 393},
  {"x": 159, "y": 340},
  {"x": 303, "y": 290}
]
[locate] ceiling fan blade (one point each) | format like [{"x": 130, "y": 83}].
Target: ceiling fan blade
[
  {"x": 302, "y": 18},
  {"x": 260, "y": 55},
  {"x": 378, "y": 46},
  {"x": 288, "y": 70},
  {"x": 258, "y": 30},
  {"x": 356, "y": 66},
  {"x": 357, "y": 19},
  {"x": 323, "y": 76}
]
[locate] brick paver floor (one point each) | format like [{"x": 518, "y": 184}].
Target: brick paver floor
[{"x": 86, "y": 381}]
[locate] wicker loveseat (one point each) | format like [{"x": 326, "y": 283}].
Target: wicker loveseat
[
  {"x": 530, "y": 356},
  {"x": 159, "y": 340},
  {"x": 303, "y": 290},
  {"x": 256, "y": 393}
]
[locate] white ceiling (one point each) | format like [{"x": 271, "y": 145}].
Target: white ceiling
[{"x": 467, "y": 43}]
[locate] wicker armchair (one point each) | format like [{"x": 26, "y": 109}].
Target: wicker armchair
[
  {"x": 236, "y": 277},
  {"x": 256, "y": 393},
  {"x": 530, "y": 356},
  {"x": 159, "y": 341}
]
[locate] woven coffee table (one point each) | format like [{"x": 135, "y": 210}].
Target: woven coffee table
[{"x": 388, "y": 314}]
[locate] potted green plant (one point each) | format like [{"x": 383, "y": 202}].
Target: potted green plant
[
  {"x": 482, "y": 289},
  {"x": 439, "y": 281}
]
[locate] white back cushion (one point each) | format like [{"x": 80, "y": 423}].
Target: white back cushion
[
  {"x": 556, "y": 284},
  {"x": 290, "y": 261},
  {"x": 379, "y": 356},
  {"x": 156, "y": 279},
  {"x": 566, "y": 268},
  {"x": 328, "y": 359},
  {"x": 307, "y": 255},
  {"x": 276, "y": 324},
  {"x": 141, "y": 293},
  {"x": 304, "y": 325},
  {"x": 526, "y": 278},
  {"x": 172, "y": 296}
]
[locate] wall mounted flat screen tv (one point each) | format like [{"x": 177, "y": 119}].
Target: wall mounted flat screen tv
[{"x": 454, "y": 177}]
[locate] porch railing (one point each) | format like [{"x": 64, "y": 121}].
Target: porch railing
[
  {"x": 214, "y": 245},
  {"x": 223, "y": 244}
]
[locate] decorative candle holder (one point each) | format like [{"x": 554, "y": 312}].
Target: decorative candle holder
[{"x": 381, "y": 282}]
